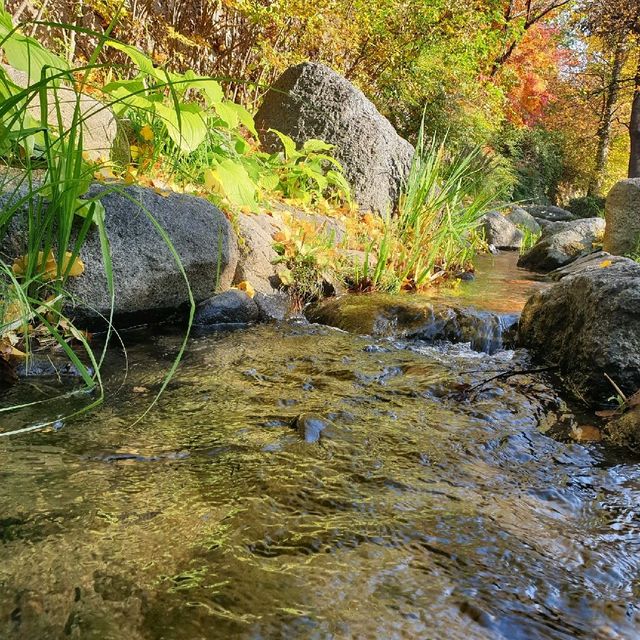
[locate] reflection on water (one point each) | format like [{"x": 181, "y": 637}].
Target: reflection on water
[
  {"x": 499, "y": 286},
  {"x": 426, "y": 510}
]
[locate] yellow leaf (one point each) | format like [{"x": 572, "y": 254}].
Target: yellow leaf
[
  {"x": 130, "y": 177},
  {"x": 211, "y": 181},
  {"x": 605, "y": 263},
  {"x": 48, "y": 267},
  {"x": 77, "y": 266},
  {"x": 245, "y": 286},
  {"x": 146, "y": 133}
]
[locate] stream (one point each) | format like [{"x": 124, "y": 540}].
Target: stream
[{"x": 432, "y": 505}]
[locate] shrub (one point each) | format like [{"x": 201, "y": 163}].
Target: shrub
[{"x": 587, "y": 206}]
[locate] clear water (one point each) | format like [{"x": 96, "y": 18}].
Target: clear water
[{"x": 427, "y": 510}]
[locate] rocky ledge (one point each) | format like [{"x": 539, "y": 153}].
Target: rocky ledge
[{"x": 416, "y": 318}]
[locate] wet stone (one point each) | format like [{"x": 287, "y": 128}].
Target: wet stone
[
  {"x": 230, "y": 307},
  {"x": 310, "y": 426}
]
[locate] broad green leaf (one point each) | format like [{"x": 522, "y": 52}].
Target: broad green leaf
[
  {"x": 315, "y": 175},
  {"x": 129, "y": 93},
  {"x": 232, "y": 181},
  {"x": 269, "y": 181},
  {"x": 227, "y": 113},
  {"x": 337, "y": 179},
  {"x": 288, "y": 144},
  {"x": 210, "y": 89},
  {"x": 186, "y": 127},
  {"x": 28, "y": 55},
  {"x": 144, "y": 63},
  {"x": 243, "y": 116},
  {"x": 313, "y": 145}
]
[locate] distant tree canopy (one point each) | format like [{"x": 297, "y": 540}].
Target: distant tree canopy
[{"x": 525, "y": 78}]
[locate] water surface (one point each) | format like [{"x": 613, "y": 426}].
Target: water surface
[{"x": 428, "y": 509}]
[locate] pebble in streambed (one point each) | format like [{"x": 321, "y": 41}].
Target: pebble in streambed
[{"x": 310, "y": 426}]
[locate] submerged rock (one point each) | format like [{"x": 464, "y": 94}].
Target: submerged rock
[
  {"x": 416, "y": 317},
  {"x": 311, "y": 100},
  {"x": 230, "y": 307},
  {"x": 563, "y": 242},
  {"x": 501, "y": 232},
  {"x": 589, "y": 325},
  {"x": 622, "y": 211},
  {"x": 310, "y": 426}
]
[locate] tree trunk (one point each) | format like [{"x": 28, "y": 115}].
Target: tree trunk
[
  {"x": 606, "y": 123},
  {"x": 634, "y": 129}
]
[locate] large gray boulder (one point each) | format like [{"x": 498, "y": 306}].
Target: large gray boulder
[
  {"x": 622, "y": 212},
  {"x": 563, "y": 242},
  {"x": 501, "y": 232},
  {"x": 310, "y": 100},
  {"x": 588, "y": 325},
  {"x": 147, "y": 278}
]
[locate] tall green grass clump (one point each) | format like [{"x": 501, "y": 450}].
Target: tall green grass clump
[
  {"x": 43, "y": 176},
  {"x": 434, "y": 233}
]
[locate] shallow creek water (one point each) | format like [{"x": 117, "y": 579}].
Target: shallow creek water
[{"x": 428, "y": 509}]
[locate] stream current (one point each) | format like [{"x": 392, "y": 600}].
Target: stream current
[{"x": 432, "y": 507}]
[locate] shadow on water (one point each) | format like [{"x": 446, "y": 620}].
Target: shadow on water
[{"x": 424, "y": 511}]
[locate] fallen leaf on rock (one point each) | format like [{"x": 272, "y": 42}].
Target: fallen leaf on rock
[
  {"x": 245, "y": 286},
  {"x": 605, "y": 263}
]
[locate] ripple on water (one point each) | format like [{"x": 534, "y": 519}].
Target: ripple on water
[{"x": 424, "y": 511}]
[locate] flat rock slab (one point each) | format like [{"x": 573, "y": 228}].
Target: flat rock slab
[{"x": 549, "y": 212}]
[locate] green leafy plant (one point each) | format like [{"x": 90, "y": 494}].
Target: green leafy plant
[
  {"x": 309, "y": 174},
  {"x": 529, "y": 239},
  {"x": 308, "y": 260},
  {"x": 45, "y": 207}
]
